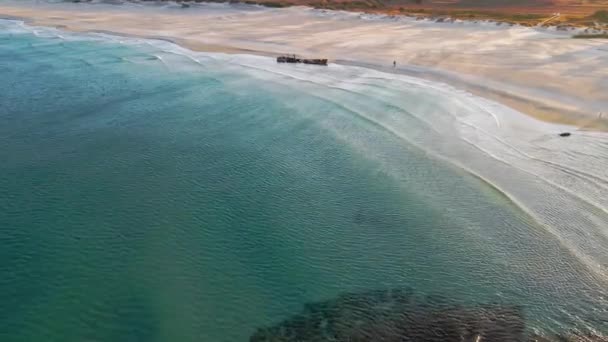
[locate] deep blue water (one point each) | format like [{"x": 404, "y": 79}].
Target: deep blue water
[{"x": 149, "y": 196}]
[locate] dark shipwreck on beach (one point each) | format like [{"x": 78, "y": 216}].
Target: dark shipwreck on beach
[{"x": 294, "y": 59}]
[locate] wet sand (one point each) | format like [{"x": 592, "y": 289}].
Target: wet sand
[{"x": 539, "y": 72}]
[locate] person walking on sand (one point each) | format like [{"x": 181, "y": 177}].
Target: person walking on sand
[{"x": 394, "y": 64}]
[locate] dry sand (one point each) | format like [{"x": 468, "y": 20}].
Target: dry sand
[{"x": 536, "y": 71}]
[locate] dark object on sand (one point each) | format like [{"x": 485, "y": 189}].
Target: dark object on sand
[
  {"x": 294, "y": 59},
  {"x": 317, "y": 61},
  {"x": 565, "y": 134},
  {"x": 288, "y": 59}
]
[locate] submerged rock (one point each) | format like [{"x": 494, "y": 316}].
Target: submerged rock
[
  {"x": 399, "y": 315},
  {"x": 570, "y": 337},
  {"x": 396, "y": 315}
]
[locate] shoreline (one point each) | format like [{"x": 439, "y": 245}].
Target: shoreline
[
  {"x": 554, "y": 115},
  {"x": 339, "y": 114},
  {"x": 539, "y": 174},
  {"x": 549, "y": 106}
]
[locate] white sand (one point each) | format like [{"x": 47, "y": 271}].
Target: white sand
[{"x": 537, "y": 71}]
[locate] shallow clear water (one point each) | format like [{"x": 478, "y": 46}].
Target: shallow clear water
[{"x": 153, "y": 196}]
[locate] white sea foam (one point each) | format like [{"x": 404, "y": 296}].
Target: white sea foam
[{"x": 561, "y": 182}]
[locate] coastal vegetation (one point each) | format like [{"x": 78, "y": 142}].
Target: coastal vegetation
[
  {"x": 591, "y": 36},
  {"x": 564, "y": 13},
  {"x": 598, "y": 21},
  {"x": 601, "y": 16},
  {"x": 515, "y": 18}
]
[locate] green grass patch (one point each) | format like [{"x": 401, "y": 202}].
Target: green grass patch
[
  {"x": 601, "y": 16},
  {"x": 350, "y": 5},
  {"x": 497, "y": 15},
  {"x": 479, "y": 15},
  {"x": 274, "y": 4},
  {"x": 591, "y": 36}
]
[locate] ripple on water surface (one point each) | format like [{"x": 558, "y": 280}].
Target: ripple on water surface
[{"x": 151, "y": 195}]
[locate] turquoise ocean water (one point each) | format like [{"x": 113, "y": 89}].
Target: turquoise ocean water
[{"x": 146, "y": 195}]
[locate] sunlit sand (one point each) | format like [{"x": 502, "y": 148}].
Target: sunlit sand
[{"x": 537, "y": 71}]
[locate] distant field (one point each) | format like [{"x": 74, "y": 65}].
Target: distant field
[
  {"x": 526, "y": 12},
  {"x": 581, "y": 13},
  {"x": 568, "y": 7}
]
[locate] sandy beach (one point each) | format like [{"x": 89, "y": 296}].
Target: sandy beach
[
  {"x": 162, "y": 151},
  {"x": 540, "y": 72}
]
